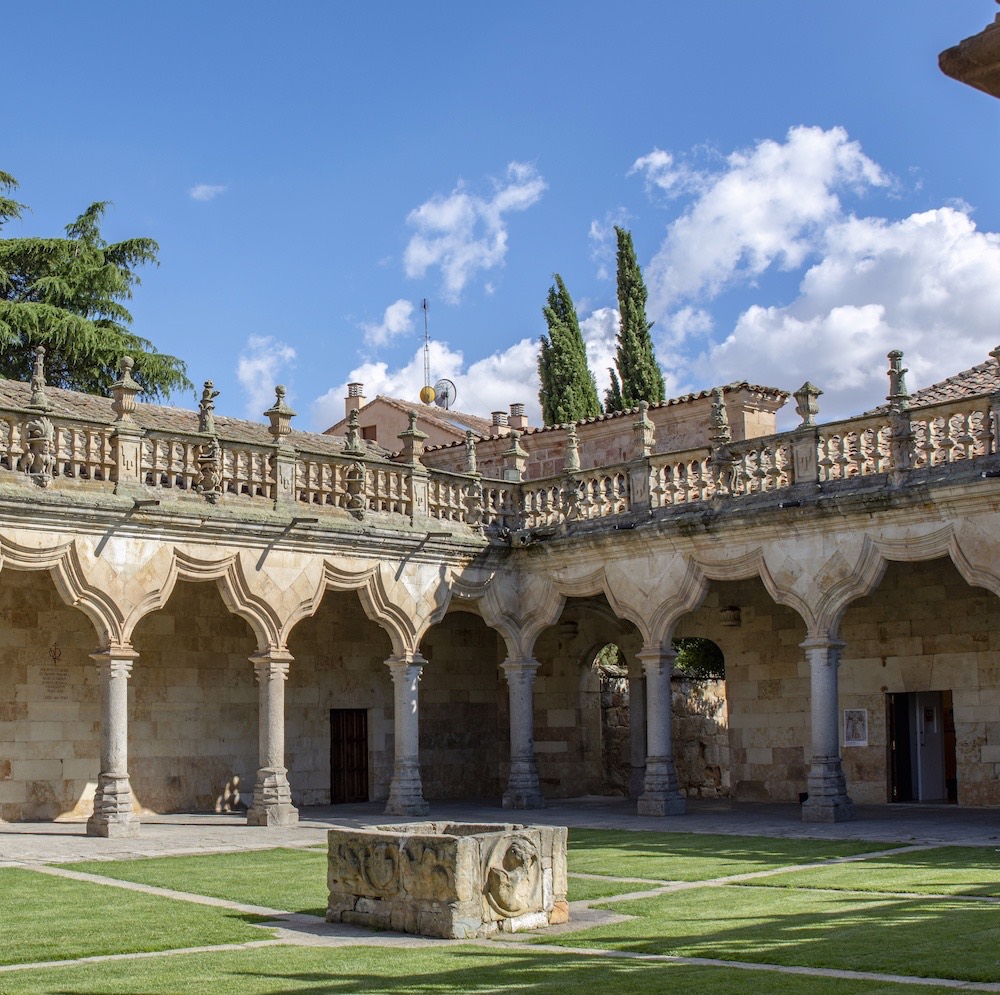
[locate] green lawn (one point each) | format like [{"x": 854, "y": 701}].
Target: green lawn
[
  {"x": 453, "y": 969},
  {"x": 948, "y": 870},
  {"x": 925, "y": 937},
  {"x": 292, "y": 880},
  {"x": 695, "y": 857},
  {"x": 585, "y": 889},
  {"x": 48, "y": 918}
]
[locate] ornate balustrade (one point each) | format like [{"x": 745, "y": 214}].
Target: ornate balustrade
[{"x": 140, "y": 452}]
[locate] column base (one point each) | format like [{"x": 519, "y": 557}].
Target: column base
[
  {"x": 272, "y": 799},
  {"x": 522, "y": 785},
  {"x": 661, "y": 795},
  {"x": 113, "y": 818},
  {"x": 636, "y": 782},
  {"x": 828, "y": 800},
  {"x": 519, "y": 798},
  {"x": 406, "y": 796}
]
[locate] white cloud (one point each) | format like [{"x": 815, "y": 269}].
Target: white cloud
[
  {"x": 206, "y": 191},
  {"x": 663, "y": 174},
  {"x": 463, "y": 233},
  {"x": 604, "y": 242},
  {"x": 397, "y": 320},
  {"x": 490, "y": 384},
  {"x": 928, "y": 284},
  {"x": 260, "y": 368},
  {"x": 768, "y": 206}
]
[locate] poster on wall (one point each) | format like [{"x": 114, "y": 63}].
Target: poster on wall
[{"x": 855, "y": 727}]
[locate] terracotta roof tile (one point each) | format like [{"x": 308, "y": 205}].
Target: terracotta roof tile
[
  {"x": 981, "y": 379},
  {"x": 452, "y": 421}
]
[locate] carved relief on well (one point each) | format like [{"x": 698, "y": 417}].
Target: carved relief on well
[{"x": 512, "y": 877}]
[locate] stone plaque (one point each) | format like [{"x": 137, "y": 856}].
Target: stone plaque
[{"x": 55, "y": 682}]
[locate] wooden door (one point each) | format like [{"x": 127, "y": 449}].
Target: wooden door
[{"x": 348, "y": 755}]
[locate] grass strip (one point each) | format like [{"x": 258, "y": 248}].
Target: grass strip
[
  {"x": 282, "y": 878},
  {"x": 697, "y": 857},
  {"x": 926, "y": 937},
  {"x": 585, "y": 889},
  {"x": 428, "y": 971},
  {"x": 947, "y": 870},
  {"x": 48, "y": 918}
]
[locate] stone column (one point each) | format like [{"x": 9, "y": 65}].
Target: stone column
[
  {"x": 272, "y": 794},
  {"x": 660, "y": 794},
  {"x": 828, "y": 800},
  {"x": 522, "y": 783},
  {"x": 113, "y": 816},
  {"x": 636, "y": 730},
  {"x": 406, "y": 796}
]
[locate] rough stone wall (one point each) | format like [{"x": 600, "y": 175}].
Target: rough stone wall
[
  {"x": 49, "y": 708},
  {"x": 767, "y": 689},
  {"x": 461, "y": 735},
  {"x": 339, "y": 662},
  {"x": 924, "y": 629},
  {"x": 193, "y": 706},
  {"x": 701, "y": 737}
]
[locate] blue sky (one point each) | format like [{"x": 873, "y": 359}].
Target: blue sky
[{"x": 805, "y": 189}]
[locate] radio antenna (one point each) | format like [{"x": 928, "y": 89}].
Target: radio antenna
[{"x": 427, "y": 391}]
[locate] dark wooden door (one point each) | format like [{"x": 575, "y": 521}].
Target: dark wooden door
[
  {"x": 900, "y": 764},
  {"x": 348, "y": 755}
]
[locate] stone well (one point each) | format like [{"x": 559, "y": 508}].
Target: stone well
[{"x": 448, "y": 879}]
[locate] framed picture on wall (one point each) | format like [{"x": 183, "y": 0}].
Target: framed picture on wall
[{"x": 855, "y": 727}]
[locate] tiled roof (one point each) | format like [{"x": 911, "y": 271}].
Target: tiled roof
[
  {"x": 456, "y": 422},
  {"x": 774, "y": 392},
  {"x": 157, "y": 418},
  {"x": 981, "y": 379}
]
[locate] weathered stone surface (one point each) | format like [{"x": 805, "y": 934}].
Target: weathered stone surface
[{"x": 448, "y": 880}]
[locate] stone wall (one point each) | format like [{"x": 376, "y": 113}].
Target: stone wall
[
  {"x": 701, "y": 737},
  {"x": 49, "y": 702}
]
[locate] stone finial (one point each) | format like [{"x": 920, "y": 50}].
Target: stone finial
[
  {"x": 206, "y": 409},
  {"x": 280, "y": 415},
  {"x": 806, "y": 406},
  {"x": 413, "y": 440},
  {"x": 355, "y": 446},
  {"x": 124, "y": 391},
  {"x": 720, "y": 420},
  {"x": 572, "y": 464},
  {"x": 898, "y": 396},
  {"x": 643, "y": 432},
  {"x": 995, "y": 353},
  {"x": 515, "y": 458},
  {"x": 471, "y": 465},
  {"x": 38, "y": 398}
]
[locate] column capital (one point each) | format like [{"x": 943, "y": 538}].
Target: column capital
[
  {"x": 115, "y": 661},
  {"x": 822, "y": 643},
  {"x": 655, "y": 659},
  {"x": 399, "y": 665},
  {"x": 523, "y": 665},
  {"x": 271, "y": 669}
]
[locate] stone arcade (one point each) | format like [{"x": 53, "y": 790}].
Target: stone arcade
[{"x": 197, "y": 612}]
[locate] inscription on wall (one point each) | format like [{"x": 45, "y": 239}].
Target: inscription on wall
[{"x": 53, "y": 678}]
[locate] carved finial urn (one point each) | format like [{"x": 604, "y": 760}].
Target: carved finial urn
[
  {"x": 38, "y": 398},
  {"x": 206, "y": 408},
  {"x": 898, "y": 396},
  {"x": 720, "y": 420},
  {"x": 413, "y": 440},
  {"x": 280, "y": 416},
  {"x": 643, "y": 432},
  {"x": 806, "y": 406},
  {"x": 471, "y": 464},
  {"x": 515, "y": 458},
  {"x": 572, "y": 450},
  {"x": 124, "y": 391},
  {"x": 355, "y": 446}
]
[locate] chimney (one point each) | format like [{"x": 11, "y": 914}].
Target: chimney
[
  {"x": 500, "y": 426},
  {"x": 518, "y": 419},
  {"x": 355, "y": 398}
]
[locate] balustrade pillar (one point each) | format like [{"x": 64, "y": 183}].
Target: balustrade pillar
[
  {"x": 522, "y": 783},
  {"x": 636, "y": 730},
  {"x": 272, "y": 794},
  {"x": 828, "y": 800},
  {"x": 660, "y": 795},
  {"x": 113, "y": 816},
  {"x": 406, "y": 791}
]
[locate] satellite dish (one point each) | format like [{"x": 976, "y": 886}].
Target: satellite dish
[{"x": 444, "y": 394}]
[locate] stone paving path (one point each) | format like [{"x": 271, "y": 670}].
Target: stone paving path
[{"x": 35, "y": 846}]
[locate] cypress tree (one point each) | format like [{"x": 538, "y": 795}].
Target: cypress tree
[
  {"x": 568, "y": 392},
  {"x": 639, "y": 375},
  {"x": 67, "y": 294}
]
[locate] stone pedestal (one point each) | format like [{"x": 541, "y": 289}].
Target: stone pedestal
[
  {"x": 448, "y": 880},
  {"x": 113, "y": 816},
  {"x": 522, "y": 784},
  {"x": 660, "y": 795},
  {"x": 828, "y": 800},
  {"x": 272, "y": 794},
  {"x": 406, "y": 796}
]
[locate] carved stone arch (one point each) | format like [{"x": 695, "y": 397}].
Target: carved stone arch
[
  {"x": 976, "y": 554},
  {"x": 866, "y": 574},
  {"x": 99, "y": 606},
  {"x": 333, "y": 577},
  {"x": 520, "y": 606},
  {"x": 241, "y": 599}
]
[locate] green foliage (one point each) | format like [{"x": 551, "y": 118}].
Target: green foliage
[
  {"x": 639, "y": 375},
  {"x": 700, "y": 659},
  {"x": 568, "y": 392},
  {"x": 67, "y": 294}
]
